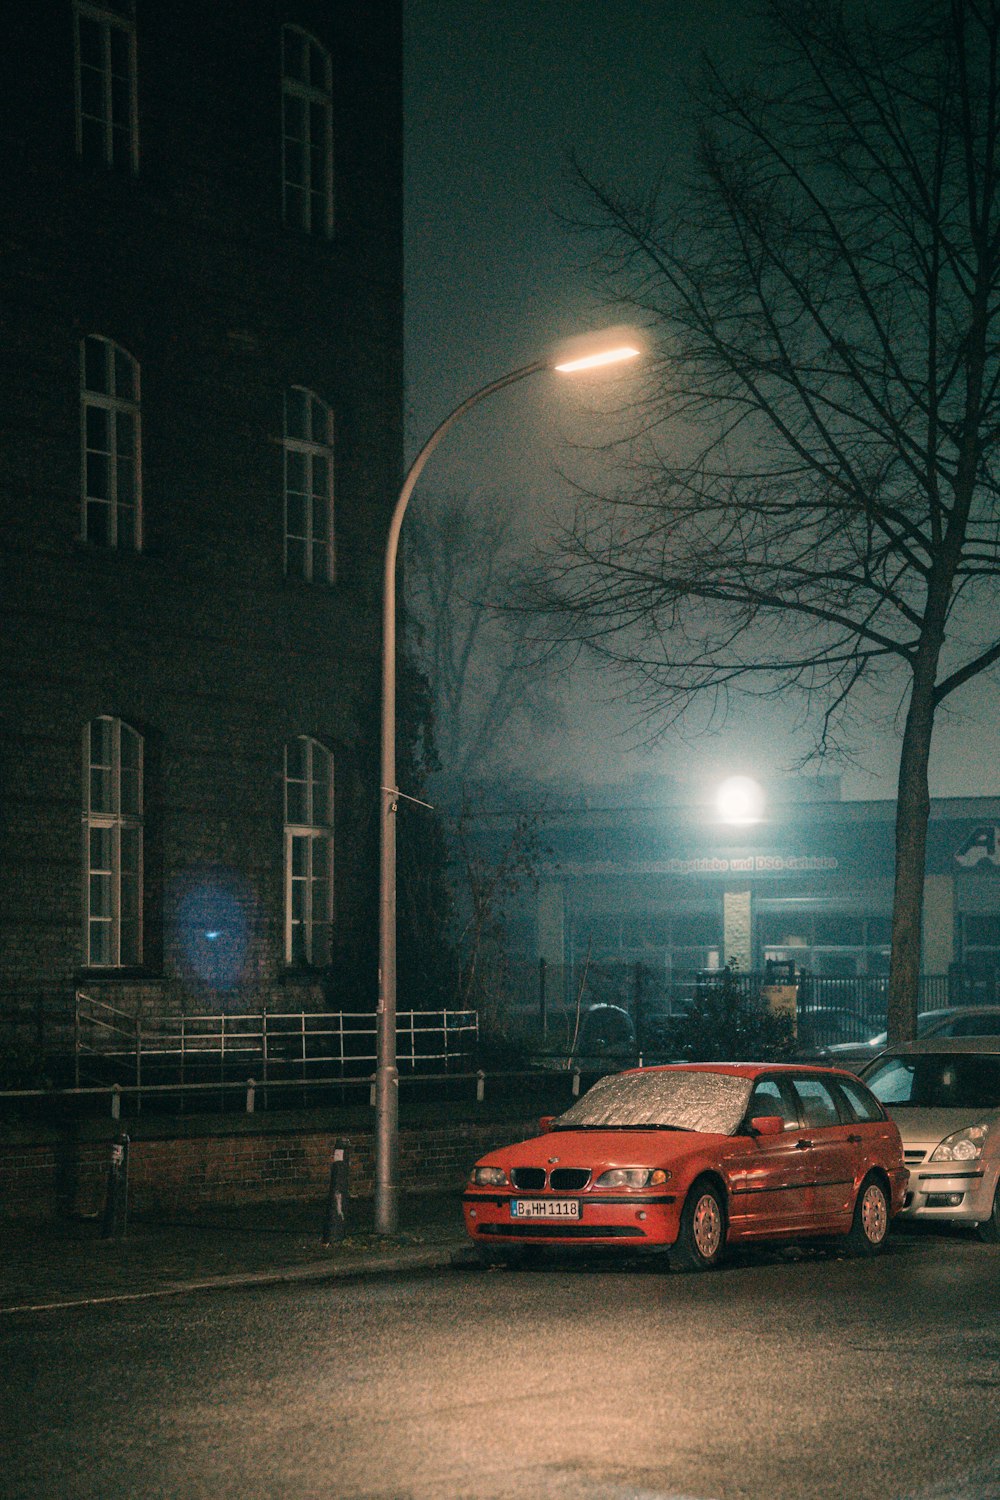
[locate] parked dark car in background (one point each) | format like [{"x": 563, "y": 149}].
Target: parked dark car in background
[{"x": 954, "y": 1020}]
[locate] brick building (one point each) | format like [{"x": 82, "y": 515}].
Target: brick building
[{"x": 201, "y": 418}]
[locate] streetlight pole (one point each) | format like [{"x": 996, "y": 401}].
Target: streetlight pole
[{"x": 601, "y": 349}]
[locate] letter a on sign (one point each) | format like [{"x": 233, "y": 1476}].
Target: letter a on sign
[{"x": 984, "y": 843}]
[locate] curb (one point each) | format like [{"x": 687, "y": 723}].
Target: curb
[{"x": 388, "y": 1263}]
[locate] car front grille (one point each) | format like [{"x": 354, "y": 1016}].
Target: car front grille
[
  {"x": 568, "y": 1179},
  {"x": 561, "y": 1180}
]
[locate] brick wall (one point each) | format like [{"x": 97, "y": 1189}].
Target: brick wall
[
  {"x": 199, "y": 642},
  {"x": 191, "y": 1172}
]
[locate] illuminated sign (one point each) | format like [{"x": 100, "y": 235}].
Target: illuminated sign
[
  {"x": 983, "y": 843},
  {"x": 709, "y": 864}
]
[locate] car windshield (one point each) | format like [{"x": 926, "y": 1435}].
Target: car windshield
[
  {"x": 668, "y": 1100},
  {"x": 937, "y": 1080}
]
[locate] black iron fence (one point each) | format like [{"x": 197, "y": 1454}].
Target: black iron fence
[{"x": 828, "y": 1009}]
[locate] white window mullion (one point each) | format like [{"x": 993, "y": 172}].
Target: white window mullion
[
  {"x": 107, "y": 826},
  {"x": 308, "y": 851}
]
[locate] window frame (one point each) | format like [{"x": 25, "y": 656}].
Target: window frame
[
  {"x": 309, "y": 449},
  {"x": 117, "y": 820},
  {"x": 312, "y": 835},
  {"x": 801, "y": 1083},
  {"x": 107, "y": 19},
  {"x": 115, "y": 407},
  {"x": 789, "y": 1100},
  {"x": 310, "y": 96}
]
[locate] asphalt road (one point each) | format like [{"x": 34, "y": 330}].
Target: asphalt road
[{"x": 776, "y": 1378}]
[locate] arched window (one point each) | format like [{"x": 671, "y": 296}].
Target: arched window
[
  {"x": 307, "y": 133},
  {"x": 308, "y": 852},
  {"x": 112, "y": 844},
  {"x": 107, "y": 132},
  {"x": 109, "y": 435},
  {"x": 308, "y": 451}
]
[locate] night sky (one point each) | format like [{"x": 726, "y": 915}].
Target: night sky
[{"x": 498, "y": 92}]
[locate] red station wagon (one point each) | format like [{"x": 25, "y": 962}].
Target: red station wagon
[{"x": 696, "y": 1157}]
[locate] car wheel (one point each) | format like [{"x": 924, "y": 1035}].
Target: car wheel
[
  {"x": 871, "y": 1219},
  {"x": 702, "y": 1239},
  {"x": 988, "y": 1230}
]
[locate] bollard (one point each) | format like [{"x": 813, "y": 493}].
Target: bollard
[
  {"x": 338, "y": 1194},
  {"x": 116, "y": 1102},
  {"x": 115, "y": 1220},
  {"x": 480, "y": 1086},
  {"x": 251, "y": 1095},
  {"x": 576, "y": 1084},
  {"x": 372, "y": 1092}
]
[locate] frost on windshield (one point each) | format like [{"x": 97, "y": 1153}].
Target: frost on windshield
[{"x": 711, "y": 1102}]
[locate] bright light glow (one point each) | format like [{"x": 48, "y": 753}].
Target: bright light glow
[
  {"x": 605, "y": 357},
  {"x": 740, "y": 799},
  {"x": 602, "y": 346}
]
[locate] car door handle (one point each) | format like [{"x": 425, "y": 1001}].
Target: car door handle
[
  {"x": 803, "y": 1145},
  {"x": 855, "y": 1140}
]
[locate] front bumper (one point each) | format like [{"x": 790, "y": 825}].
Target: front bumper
[
  {"x": 949, "y": 1193},
  {"x": 624, "y": 1222}
]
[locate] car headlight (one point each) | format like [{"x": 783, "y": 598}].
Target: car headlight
[
  {"x": 488, "y": 1177},
  {"x": 633, "y": 1177},
  {"x": 964, "y": 1145}
]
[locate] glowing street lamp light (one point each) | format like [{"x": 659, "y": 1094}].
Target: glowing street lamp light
[
  {"x": 593, "y": 361},
  {"x": 740, "y": 800},
  {"x": 591, "y": 351}
]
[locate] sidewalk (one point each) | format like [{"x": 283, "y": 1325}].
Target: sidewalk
[{"x": 50, "y": 1263}]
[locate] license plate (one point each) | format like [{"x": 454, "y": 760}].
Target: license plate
[{"x": 544, "y": 1208}]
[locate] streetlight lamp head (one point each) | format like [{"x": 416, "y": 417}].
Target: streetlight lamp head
[
  {"x": 740, "y": 800},
  {"x": 589, "y": 351}
]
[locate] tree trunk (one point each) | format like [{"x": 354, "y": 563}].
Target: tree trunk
[{"x": 912, "y": 814}]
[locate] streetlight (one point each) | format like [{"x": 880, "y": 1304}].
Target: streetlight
[
  {"x": 740, "y": 800},
  {"x": 589, "y": 352}
]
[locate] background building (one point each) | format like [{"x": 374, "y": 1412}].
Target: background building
[
  {"x": 200, "y": 442},
  {"x": 647, "y": 885}
]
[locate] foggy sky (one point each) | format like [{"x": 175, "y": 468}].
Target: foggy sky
[{"x": 498, "y": 92}]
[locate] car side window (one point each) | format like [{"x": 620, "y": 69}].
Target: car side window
[
  {"x": 858, "y": 1102},
  {"x": 973, "y": 1026},
  {"x": 819, "y": 1108},
  {"x": 769, "y": 1099}
]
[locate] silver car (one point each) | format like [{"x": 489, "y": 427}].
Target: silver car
[
  {"x": 953, "y": 1020},
  {"x": 944, "y": 1094}
]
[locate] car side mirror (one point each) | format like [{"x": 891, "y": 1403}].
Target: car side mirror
[
  {"x": 545, "y": 1124},
  {"x": 767, "y": 1125}
]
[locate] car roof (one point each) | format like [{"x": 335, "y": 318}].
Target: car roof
[
  {"x": 977, "y": 1044},
  {"x": 959, "y": 1010},
  {"x": 742, "y": 1069}
]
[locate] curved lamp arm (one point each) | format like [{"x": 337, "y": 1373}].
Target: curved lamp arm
[
  {"x": 582, "y": 353},
  {"x": 386, "y": 1075}
]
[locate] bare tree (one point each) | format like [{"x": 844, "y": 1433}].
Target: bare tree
[
  {"x": 489, "y": 695},
  {"x": 817, "y": 505}
]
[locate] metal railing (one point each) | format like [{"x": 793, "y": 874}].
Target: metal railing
[
  {"x": 115, "y": 1046},
  {"x": 549, "y": 991},
  {"x": 252, "y": 1089}
]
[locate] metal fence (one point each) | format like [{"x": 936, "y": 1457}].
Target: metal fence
[
  {"x": 116, "y": 1046},
  {"x": 830, "y": 1008}
]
